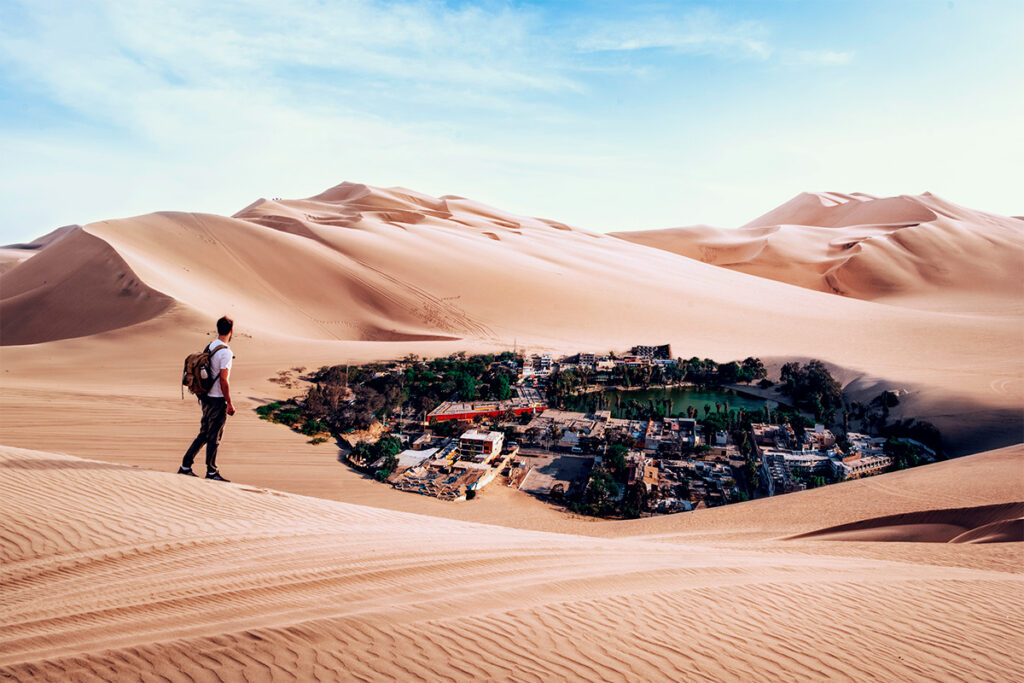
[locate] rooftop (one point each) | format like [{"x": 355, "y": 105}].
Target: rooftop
[{"x": 474, "y": 435}]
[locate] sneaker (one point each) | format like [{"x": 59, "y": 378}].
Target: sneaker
[
  {"x": 215, "y": 476},
  {"x": 187, "y": 471}
]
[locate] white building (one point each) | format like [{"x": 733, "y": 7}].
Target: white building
[
  {"x": 856, "y": 466},
  {"x": 807, "y": 462},
  {"x": 480, "y": 446}
]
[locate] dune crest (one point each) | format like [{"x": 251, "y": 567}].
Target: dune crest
[
  {"x": 871, "y": 248},
  {"x": 75, "y": 285}
]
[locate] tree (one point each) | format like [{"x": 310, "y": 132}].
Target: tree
[
  {"x": 387, "y": 447},
  {"x": 615, "y": 458},
  {"x": 601, "y": 492},
  {"x": 753, "y": 369},
  {"x": 465, "y": 384},
  {"x": 553, "y": 432},
  {"x": 361, "y": 453},
  {"x": 812, "y": 387},
  {"x": 502, "y": 391},
  {"x": 790, "y": 375},
  {"x": 729, "y": 373},
  {"x": 903, "y": 454},
  {"x": 636, "y": 501}
]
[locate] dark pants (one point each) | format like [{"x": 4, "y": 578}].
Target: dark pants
[{"x": 215, "y": 414}]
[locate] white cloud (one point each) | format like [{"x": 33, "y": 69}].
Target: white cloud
[
  {"x": 698, "y": 32},
  {"x": 204, "y": 106},
  {"x": 817, "y": 57}
]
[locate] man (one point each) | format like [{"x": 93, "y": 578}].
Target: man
[{"x": 216, "y": 404}]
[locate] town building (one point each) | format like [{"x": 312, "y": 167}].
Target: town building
[
  {"x": 411, "y": 458},
  {"x": 480, "y": 447},
  {"x": 528, "y": 401},
  {"x": 664, "y": 351},
  {"x": 777, "y": 475},
  {"x": 807, "y": 462},
  {"x": 856, "y": 465}
]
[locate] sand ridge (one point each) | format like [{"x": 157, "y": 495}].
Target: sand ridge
[
  {"x": 363, "y": 264},
  {"x": 190, "y": 579},
  {"x": 905, "y": 249}
]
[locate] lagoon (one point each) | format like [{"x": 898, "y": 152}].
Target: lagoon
[{"x": 682, "y": 399}]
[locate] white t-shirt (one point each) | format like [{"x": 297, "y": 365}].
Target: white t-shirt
[{"x": 221, "y": 361}]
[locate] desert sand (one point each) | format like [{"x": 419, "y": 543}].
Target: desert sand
[
  {"x": 315, "y": 280},
  {"x": 114, "y": 568},
  {"x": 113, "y": 572},
  {"x": 912, "y": 250}
]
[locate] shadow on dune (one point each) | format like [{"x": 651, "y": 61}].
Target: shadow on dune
[{"x": 1002, "y": 523}]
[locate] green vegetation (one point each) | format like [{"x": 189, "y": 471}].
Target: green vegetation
[
  {"x": 599, "y": 495},
  {"x": 635, "y": 502},
  {"x": 365, "y": 454},
  {"x": 813, "y": 388},
  {"x": 291, "y": 414},
  {"x": 874, "y": 417},
  {"x": 344, "y": 398},
  {"x": 615, "y": 460},
  {"x": 701, "y": 372}
]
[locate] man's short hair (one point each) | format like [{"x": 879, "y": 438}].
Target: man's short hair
[{"x": 225, "y": 325}]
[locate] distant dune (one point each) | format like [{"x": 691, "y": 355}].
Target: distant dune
[
  {"x": 116, "y": 573},
  {"x": 903, "y": 249},
  {"x": 308, "y": 279}
]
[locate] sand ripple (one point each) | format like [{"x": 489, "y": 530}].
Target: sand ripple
[{"x": 113, "y": 573}]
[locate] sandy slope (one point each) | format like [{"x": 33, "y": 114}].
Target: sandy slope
[
  {"x": 111, "y": 572},
  {"x": 313, "y": 280},
  {"x": 906, "y": 249}
]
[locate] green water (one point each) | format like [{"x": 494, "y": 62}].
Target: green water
[{"x": 682, "y": 398}]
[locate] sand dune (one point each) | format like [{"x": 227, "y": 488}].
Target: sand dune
[
  {"x": 77, "y": 285},
  {"x": 189, "y": 579},
  {"x": 986, "y": 524},
  {"x": 313, "y": 280},
  {"x": 111, "y": 571},
  {"x": 13, "y": 254},
  {"x": 905, "y": 249}
]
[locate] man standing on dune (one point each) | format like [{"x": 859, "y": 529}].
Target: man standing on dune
[{"x": 216, "y": 404}]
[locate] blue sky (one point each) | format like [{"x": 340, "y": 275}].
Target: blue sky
[{"x": 604, "y": 115}]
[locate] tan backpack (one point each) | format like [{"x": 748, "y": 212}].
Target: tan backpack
[{"x": 197, "y": 374}]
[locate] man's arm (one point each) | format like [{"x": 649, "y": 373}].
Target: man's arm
[{"x": 224, "y": 387}]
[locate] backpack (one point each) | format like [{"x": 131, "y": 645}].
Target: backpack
[{"x": 197, "y": 374}]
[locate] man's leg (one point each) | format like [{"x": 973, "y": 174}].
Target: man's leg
[
  {"x": 197, "y": 443},
  {"x": 215, "y": 430}
]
